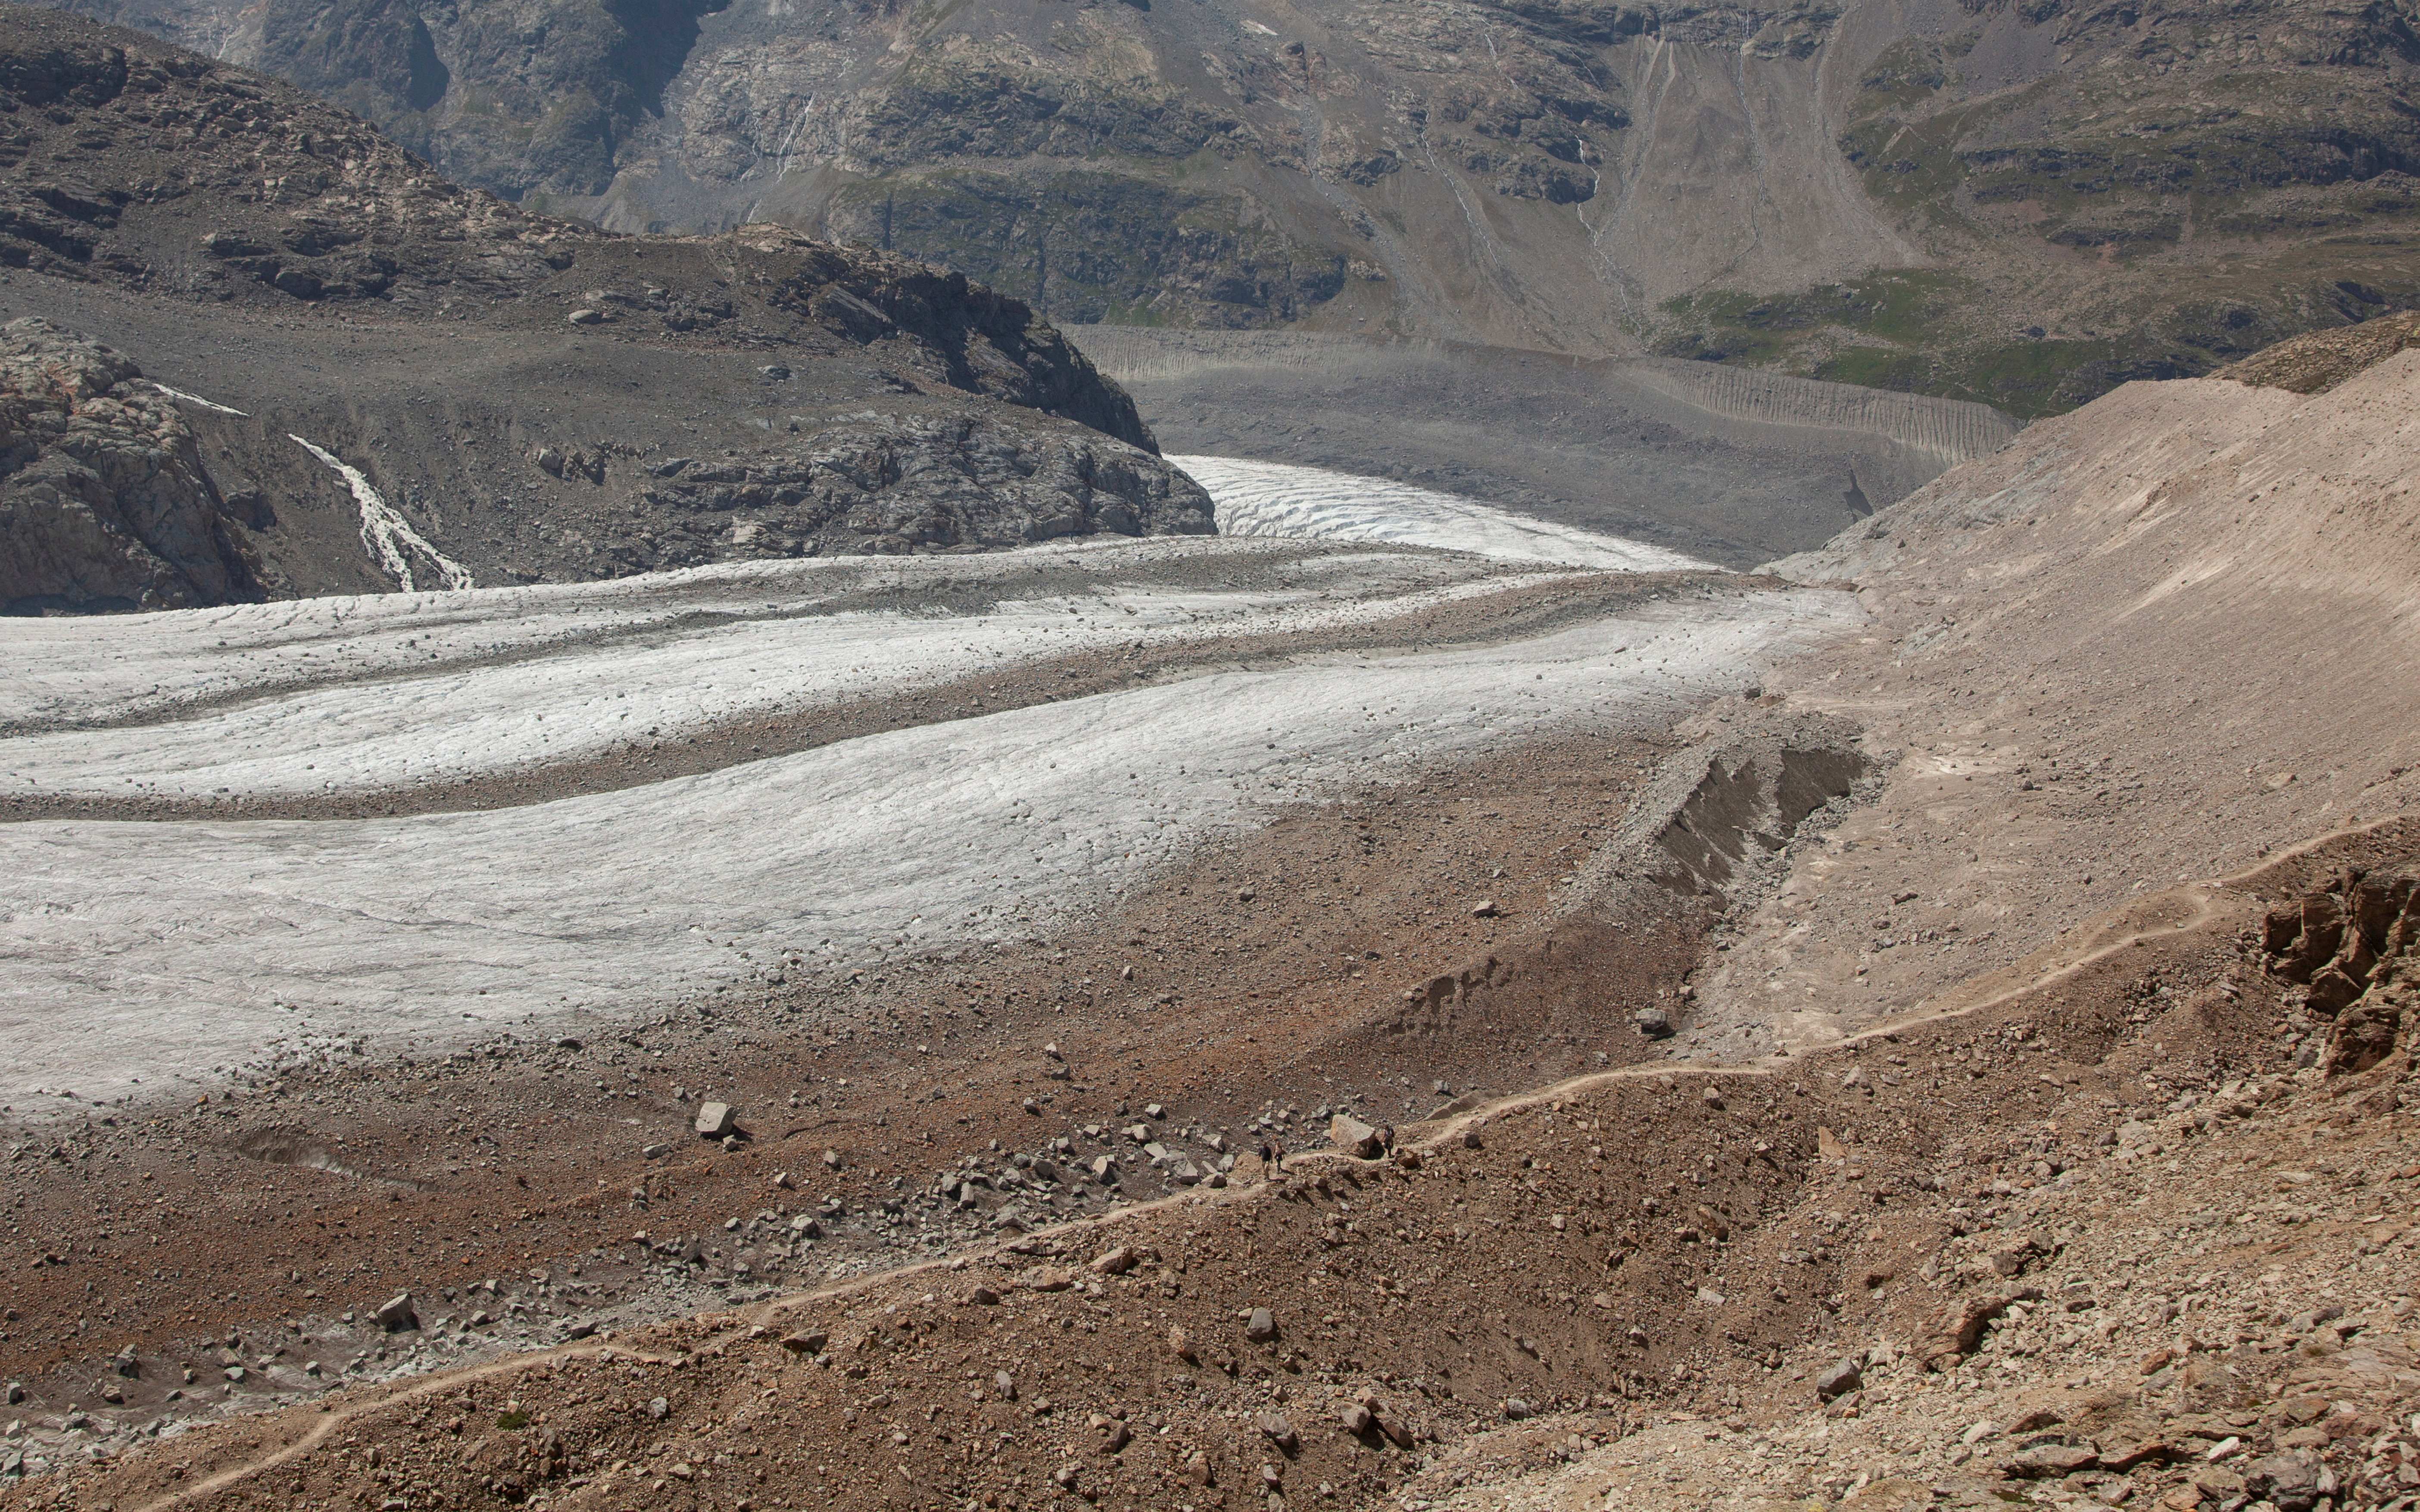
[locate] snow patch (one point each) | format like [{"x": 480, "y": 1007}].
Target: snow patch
[{"x": 195, "y": 399}]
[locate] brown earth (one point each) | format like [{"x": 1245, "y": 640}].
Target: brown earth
[
  {"x": 2149, "y": 642},
  {"x": 1627, "y": 1251}
]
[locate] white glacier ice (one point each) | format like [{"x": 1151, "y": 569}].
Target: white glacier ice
[
  {"x": 143, "y": 952},
  {"x": 1280, "y": 498}
]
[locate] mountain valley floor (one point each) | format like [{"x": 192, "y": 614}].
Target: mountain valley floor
[{"x": 2027, "y": 889}]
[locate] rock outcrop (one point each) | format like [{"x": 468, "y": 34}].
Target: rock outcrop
[
  {"x": 2320, "y": 359},
  {"x": 2350, "y": 943},
  {"x": 893, "y": 484},
  {"x": 104, "y": 504}
]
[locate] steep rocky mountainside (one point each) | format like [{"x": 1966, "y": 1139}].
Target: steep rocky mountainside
[
  {"x": 408, "y": 381},
  {"x": 2022, "y": 202}
]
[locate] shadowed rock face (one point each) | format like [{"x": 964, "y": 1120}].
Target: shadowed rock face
[
  {"x": 103, "y": 501},
  {"x": 511, "y": 386},
  {"x": 2020, "y": 202}
]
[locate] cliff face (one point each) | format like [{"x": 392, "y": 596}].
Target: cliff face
[
  {"x": 2022, "y": 202},
  {"x": 336, "y": 304}
]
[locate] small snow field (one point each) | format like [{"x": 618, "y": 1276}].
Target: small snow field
[{"x": 147, "y": 954}]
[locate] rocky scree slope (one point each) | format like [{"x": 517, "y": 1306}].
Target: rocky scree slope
[
  {"x": 2022, "y": 202},
  {"x": 531, "y": 397}
]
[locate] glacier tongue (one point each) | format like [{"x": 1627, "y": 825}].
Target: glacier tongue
[
  {"x": 167, "y": 950},
  {"x": 1263, "y": 498}
]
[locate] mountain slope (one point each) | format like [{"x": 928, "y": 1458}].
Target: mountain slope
[
  {"x": 380, "y": 368},
  {"x": 2022, "y": 202},
  {"x": 2157, "y": 638}
]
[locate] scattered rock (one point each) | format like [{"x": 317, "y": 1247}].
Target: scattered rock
[
  {"x": 1959, "y": 1326},
  {"x": 1275, "y": 1427},
  {"x": 717, "y": 1119},
  {"x": 1484, "y": 908},
  {"x": 2289, "y": 1481},
  {"x": 2051, "y": 1459},
  {"x": 1356, "y": 1138},
  {"x": 1261, "y": 1326},
  {"x": 397, "y": 1314},
  {"x": 1842, "y": 1378},
  {"x": 1654, "y": 1023}
]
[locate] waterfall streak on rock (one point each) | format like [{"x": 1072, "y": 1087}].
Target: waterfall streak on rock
[{"x": 386, "y": 534}]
